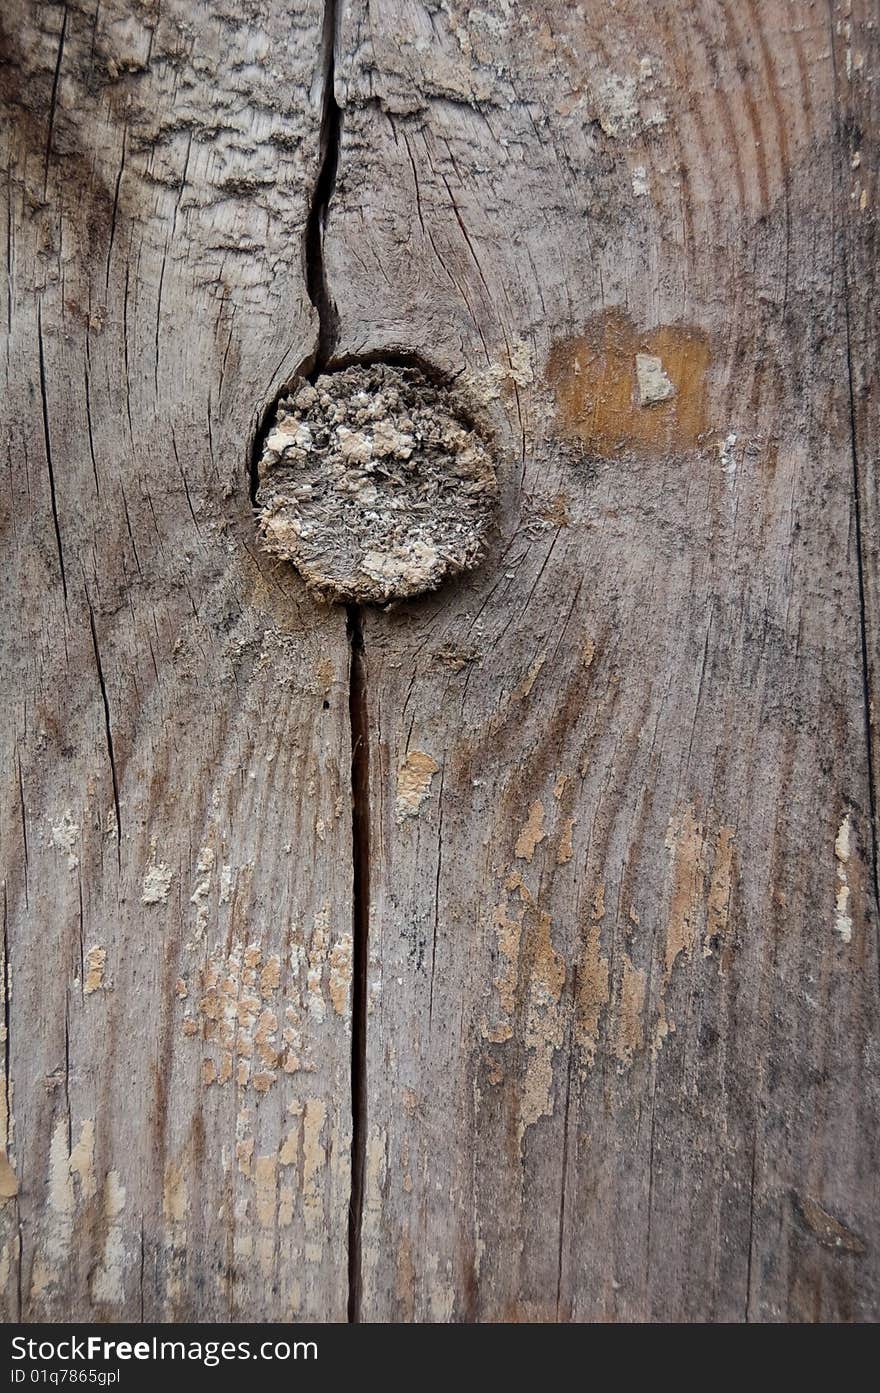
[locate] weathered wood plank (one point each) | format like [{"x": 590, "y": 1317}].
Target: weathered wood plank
[
  {"x": 622, "y": 988},
  {"x": 175, "y": 825},
  {"x": 621, "y": 1048}
]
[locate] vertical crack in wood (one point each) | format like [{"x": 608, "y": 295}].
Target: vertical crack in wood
[
  {"x": 44, "y": 398},
  {"x": 360, "y": 827},
  {"x": 867, "y": 696},
  {"x": 319, "y": 293},
  {"x": 329, "y": 139},
  {"x": 108, "y": 731}
]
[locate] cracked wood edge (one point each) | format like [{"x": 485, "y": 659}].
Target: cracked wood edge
[
  {"x": 623, "y": 960},
  {"x": 175, "y": 816}
]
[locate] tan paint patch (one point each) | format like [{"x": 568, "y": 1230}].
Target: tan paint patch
[
  {"x": 414, "y": 783},
  {"x": 319, "y": 948},
  {"x": 96, "y": 961},
  {"x": 108, "y": 1280},
  {"x": 244, "y": 1155},
  {"x": 596, "y": 384},
  {"x": 340, "y": 974},
  {"x": 289, "y": 1152},
  {"x": 565, "y": 849},
  {"x": 314, "y": 1162},
  {"x": 60, "y": 1182},
  {"x": 684, "y": 839},
  {"x": 286, "y": 1203},
  {"x": 599, "y": 902},
  {"x": 265, "y": 1177},
  {"x": 270, "y": 977},
  {"x": 532, "y": 832},
  {"x": 630, "y": 1034},
  {"x": 82, "y": 1160},
  {"x": 239, "y": 1030},
  {"x": 686, "y": 843},
  {"x": 593, "y": 994},
  {"x": 326, "y": 674},
  {"x": 8, "y": 1178}
]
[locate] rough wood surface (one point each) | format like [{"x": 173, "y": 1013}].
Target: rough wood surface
[
  {"x": 621, "y": 998},
  {"x": 175, "y": 792}
]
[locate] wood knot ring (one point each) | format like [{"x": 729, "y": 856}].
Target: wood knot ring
[{"x": 374, "y": 483}]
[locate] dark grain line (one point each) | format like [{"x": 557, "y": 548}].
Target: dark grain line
[
  {"x": 360, "y": 827},
  {"x": 46, "y": 436}
]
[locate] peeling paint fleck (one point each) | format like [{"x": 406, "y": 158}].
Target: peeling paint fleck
[
  {"x": 64, "y": 836},
  {"x": 340, "y": 974},
  {"x": 652, "y": 381},
  {"x": 82, "y": 1160},
  {"x": 544, "y": 1026},
  {"x": 96, "y": 961},
  {"x": 314, "y": 1161},
  {"x": 532, "y": 832},
  {"x": 8, "y": 1178},
  {"x": 157, "y": 880},
  {"x": 414, "y": 783},
  {"x": 630, "y": 1034},
  {"x": 843, "y": 924},
  {"x": 107, "y": 1283},
  {"x": 565, "y": 849}
]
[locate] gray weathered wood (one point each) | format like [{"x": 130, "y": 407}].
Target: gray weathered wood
[
  {"x": 623, "y": 1063},
  {"x": 175, "y": 794},
  {"x": 622, "y": 991}
]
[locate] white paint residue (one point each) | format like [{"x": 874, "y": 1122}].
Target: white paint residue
[
  {"x": 227, "y": 881},
  {"x": 514, "y": 367},
  {"x": 157, "y": 883},
  {"x": 628, "y": 105},
  {"x": 726, "y": 455},
  {"x": 64, "y": 836},
  {"x": 653, "y": 383},
  {"x": 414, "y": 783},
  {"x": 205, "y": 868},
  {"x": 108, "y": 1280},
  {"x": 843, "y": 924},
  {"x": 202, "y": 888}
]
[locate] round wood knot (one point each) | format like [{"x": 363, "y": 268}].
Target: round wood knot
[{"x": 374, "y": 485}]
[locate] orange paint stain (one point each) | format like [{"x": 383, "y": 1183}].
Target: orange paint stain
[{"x": 599, "y": 397}]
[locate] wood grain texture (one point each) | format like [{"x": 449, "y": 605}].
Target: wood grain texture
[
  {"x": 621, "y": 1057},
  {"x": 175, "y": 811},
  {"x": 623, "y": 1060}
]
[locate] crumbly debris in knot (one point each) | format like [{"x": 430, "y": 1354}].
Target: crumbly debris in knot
[{"x": 373, "y": 486}]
